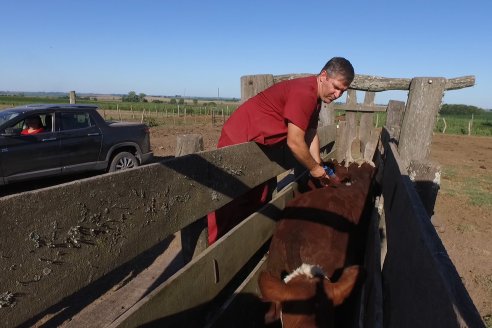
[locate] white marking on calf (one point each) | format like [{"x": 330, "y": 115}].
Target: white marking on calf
[{"x": 307, "y": 270}]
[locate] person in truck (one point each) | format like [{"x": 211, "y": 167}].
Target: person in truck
[{"x": 33, "y": 125}]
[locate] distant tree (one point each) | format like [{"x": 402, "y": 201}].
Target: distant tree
[
  {"x": 173, "y": 101},
  {"x": 181, "y": 101},
  {"x": 131, "y": 97},
  {"x": 195, "y": 101},
  {"x": 451, "y": 109}
]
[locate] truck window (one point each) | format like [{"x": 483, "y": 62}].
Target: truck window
[{"x": 72, "y": 121}]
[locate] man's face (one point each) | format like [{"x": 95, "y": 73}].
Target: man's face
[
  {"x": 32, "y": 122},
  {"x": 331, "y": 88}
]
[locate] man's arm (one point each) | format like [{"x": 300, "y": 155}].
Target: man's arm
[
  {"x": 312, "y": 140},
  {"x": 296, "y": 140}
]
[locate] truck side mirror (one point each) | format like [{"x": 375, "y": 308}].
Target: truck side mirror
[{"x": 11, "y": 132}]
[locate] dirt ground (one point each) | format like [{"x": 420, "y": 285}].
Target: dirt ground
[{"x": 463, "y": 213}]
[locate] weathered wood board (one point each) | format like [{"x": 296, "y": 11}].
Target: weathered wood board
[{"x": 421, "y": 287}]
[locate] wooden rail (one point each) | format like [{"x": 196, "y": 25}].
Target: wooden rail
[
  {"x": 421, "y": 287},
  {"x": 379, "y": 83},
  {"x": 59, "y": 240}
]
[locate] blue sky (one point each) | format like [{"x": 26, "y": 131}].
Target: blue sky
[{"x": 195, "y": 48}]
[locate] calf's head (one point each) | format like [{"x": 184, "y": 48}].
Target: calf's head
[{"x": 306, "y": 298}]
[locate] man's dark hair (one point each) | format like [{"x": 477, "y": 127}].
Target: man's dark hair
[{"x": 339, "y": 66}]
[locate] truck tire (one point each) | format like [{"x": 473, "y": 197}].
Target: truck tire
[{"x": 123, "y": 161}]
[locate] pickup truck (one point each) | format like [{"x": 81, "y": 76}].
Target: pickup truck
[{"x": 69, "y": 139}]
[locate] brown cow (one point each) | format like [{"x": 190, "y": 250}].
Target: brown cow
[{"x": 321, "y": 232}]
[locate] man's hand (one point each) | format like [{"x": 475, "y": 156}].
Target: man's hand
[{"x": 319, "y": 173}]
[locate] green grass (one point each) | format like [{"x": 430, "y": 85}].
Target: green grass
[
  {"x": 455, "y": 124},
  {"x": 458, "y": 124},
  {"x": 476, "y": 189},
  {"x": 189, "y": 108}
]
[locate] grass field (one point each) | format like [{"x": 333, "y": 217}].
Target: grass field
[
  {"x": 481, "y": 125},
  {"x": 450, "y": 124}
]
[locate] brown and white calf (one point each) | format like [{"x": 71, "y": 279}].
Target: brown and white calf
[{"x": 319, "y": 239}]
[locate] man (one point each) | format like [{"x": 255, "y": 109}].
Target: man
[
  {"x": 33, "y": 125},
  {"x": 287, "y": 111}
]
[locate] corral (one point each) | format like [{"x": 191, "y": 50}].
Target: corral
[{"x": 103, "y": 230}]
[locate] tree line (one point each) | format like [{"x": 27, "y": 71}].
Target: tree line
[{"x": 457, "y": 109}]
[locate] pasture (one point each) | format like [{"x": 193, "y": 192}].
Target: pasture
[{"x": 201, "y": 111}]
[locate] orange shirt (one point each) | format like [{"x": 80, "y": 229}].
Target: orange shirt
[{"x": 26, "y": 131}]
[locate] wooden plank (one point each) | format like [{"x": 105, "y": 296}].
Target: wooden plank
[
  {"x": 378, "y": 83},
  {"x": 360, "y": 108},
  {"x": 205, "y": 276},
  {"x": 424, "y": 101},
  {"x": 245, "y": 307},
  {"x": 194, "y": 237},
  {"x": 327, "y": 136},
  {"x": 351, "y": 101},
  {"x": 351, "y": 132},
  {"x": 367, "y": 140},
  {"x": 79, "y": 232},
  {"x": 420, "y": 283},
  {"x": 327, "y": 114},
  {"x": 366, "y": 133},
  {"x": 369, "y": 98},
  {"x": 372, "y": 298},
  {"x": 342, "y": 141}
]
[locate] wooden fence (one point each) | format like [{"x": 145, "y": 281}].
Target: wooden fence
[{"x": 59, "y": 242}]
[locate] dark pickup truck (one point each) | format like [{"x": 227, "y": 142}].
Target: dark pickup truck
[{"x": 68, "y": 139}]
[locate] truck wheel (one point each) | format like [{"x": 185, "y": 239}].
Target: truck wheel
[{"x": 123, "y": 161}]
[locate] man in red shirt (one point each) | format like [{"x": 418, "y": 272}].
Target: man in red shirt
[
  {"x": 33, "y": 125},
  {"x": 287, "y": 111}
]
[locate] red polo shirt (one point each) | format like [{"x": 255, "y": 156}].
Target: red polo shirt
[{"x": 264, "y": 117}]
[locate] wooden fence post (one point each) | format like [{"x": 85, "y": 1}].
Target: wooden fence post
[
  {"x": 347, "y": 133},
  {"x": 395, "y": 111},
  {"x": 470, "y": 126},
  {"x": 194, "y": 237},
  {"x": 421, "y": 111},
  {"x": 366, "y": 128},
  {"x": 72, "y": 97},
  {"x": 327, "y": 114},
  {"x": 420, "y": 116},
  {"x": 253, "y": 84},
  {"x": 427, "y": 179}
]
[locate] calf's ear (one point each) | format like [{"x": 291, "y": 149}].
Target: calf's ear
[
  {"x": 272, "y": 288},
  {"x": 340, "y": 290}
]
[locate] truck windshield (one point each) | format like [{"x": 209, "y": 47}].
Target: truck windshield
[{"x": 7, "y": 116}]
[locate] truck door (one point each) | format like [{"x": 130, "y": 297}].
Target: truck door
[
  {"x": 30, "y": 156},
  {"x": 80, "y": 140}
]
